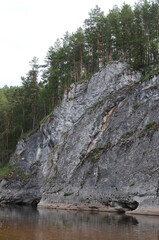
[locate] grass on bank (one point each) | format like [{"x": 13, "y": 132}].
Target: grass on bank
[{"x": 12, "y": 172}]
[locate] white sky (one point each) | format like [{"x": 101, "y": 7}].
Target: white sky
[{"x": 29, "y": 27}]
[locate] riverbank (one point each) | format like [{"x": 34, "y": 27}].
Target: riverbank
[
  {"x": 145, "y": 211},
  {"x": 80, "y": 207},
  {"x": 101, "y": 208}
]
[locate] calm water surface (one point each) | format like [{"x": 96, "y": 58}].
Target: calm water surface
[{"x": 24, "y": 223}]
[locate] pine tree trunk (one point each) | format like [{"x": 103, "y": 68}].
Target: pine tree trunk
[
  {"x": 92, "y": 59},
  {"x": 22, "y": 120},
  {"x": 33, "y": 116},
  {"x": 53, "y": 100},
  {"x": 81, "y": 65},
  {"x": 70, "y": 78},
  {"x": 107, "y": 56},
  {"x": 157, "y": 38},
  {"x": 103, "y": 59},
  {"x": 7, "y": 130}
]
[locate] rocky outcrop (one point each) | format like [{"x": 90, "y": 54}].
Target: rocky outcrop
[{"x": 97, "y": 150}]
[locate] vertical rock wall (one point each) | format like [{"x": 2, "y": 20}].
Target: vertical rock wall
[{"x": 98, "y": 149}]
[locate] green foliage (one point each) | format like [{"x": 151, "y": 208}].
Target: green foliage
[
  {"x": 3, "y": 100},
  {"x": 5, "y": 171},
  {"x": 107, "y": 145},
  {"x": 150, "y": 73},
  {"x": 137, "y": 106},
  {"x": 66, "y": 194},
  {"x": 95, "y": 154},
  {"x": 11, "y": 172},
  {"x": 151, "y": 125},
  {"x": 127, "y": 134}
]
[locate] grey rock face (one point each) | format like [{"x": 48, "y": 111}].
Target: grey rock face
[{"x": 99, "y": 147}]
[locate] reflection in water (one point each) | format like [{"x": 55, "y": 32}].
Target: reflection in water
[{"x": 24, "y": 223}]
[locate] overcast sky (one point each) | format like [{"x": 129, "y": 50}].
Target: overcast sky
[{"x": 29, "y": 27}]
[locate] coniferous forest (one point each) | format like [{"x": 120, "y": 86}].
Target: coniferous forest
[{"x": 126, "y": 33}]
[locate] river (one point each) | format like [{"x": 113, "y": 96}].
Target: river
[{"x": 25, "y": 223}]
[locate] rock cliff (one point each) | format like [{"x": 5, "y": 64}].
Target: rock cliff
[{"x": 98, "y": 150}]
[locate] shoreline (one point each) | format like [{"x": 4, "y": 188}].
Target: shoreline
[
  {"x": 149, "y": 211},
  {"x": 76, "y": 207}
]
